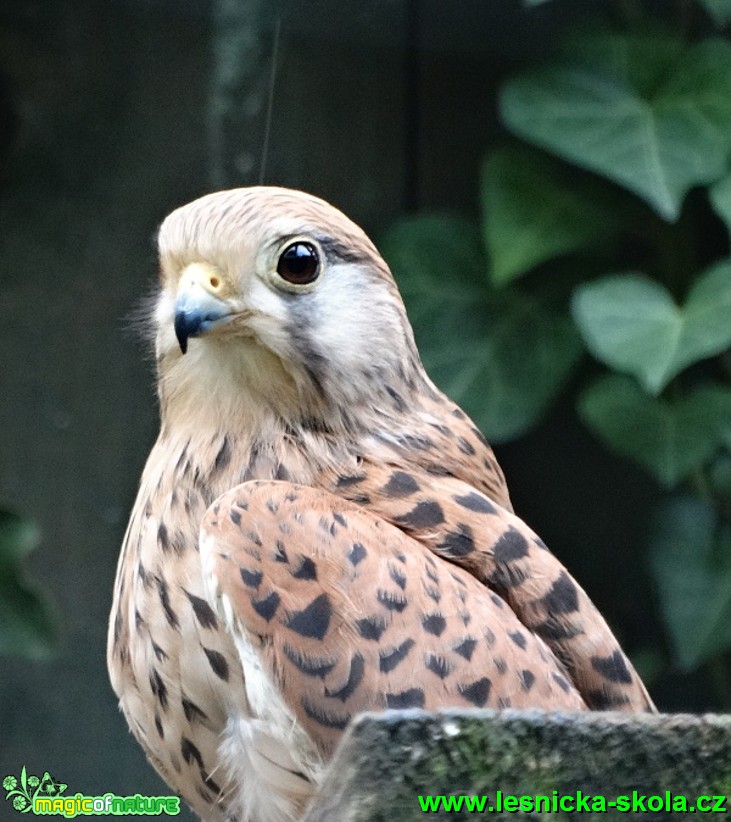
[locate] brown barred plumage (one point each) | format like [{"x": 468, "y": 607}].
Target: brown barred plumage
[{"x": 319, "y": 531}]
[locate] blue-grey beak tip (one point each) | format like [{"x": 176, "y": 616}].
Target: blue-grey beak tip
[{"x": 187, "y": 324}]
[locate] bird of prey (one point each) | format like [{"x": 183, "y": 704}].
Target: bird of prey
[{"x": 319, "y": 531}]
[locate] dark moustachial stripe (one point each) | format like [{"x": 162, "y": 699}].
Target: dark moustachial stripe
[{"x": 342, "y": 252}]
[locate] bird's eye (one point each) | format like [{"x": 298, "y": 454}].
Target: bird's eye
[{"x": 299, "y": 263}]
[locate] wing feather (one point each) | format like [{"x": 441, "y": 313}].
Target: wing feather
[
  {"x": 348, "y": 613},
  {"x": 463, "y": 526}
]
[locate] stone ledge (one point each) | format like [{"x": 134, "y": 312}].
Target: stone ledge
[{"x": 386, "y": 760}]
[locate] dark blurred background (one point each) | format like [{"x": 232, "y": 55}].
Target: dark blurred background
[{"x": 114, "y": 112}]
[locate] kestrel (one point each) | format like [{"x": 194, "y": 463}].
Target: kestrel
[{"x": 319, "y": 530}]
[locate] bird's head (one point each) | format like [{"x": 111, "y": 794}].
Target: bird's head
[{"x": 271, "y": 299}]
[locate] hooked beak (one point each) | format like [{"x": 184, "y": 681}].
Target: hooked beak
[{"x": 200, "y": 302}]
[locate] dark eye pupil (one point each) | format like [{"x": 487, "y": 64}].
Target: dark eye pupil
[{"x": 299, "y": 264}]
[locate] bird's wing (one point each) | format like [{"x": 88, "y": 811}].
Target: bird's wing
[
  {"x": 469, "y": 530},
  {"x": 345, "y": 612}
]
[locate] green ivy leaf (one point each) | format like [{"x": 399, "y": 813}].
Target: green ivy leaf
[
  {"x": 442, "y": 250},
  {"x": 691, "y": 562},
  {"x": 656, "y": 139},
  {"x": 509, "y": 369},
  {"x": 719, "y": 10},
  {"x": 632, "y": 323},
  {"x": 642, "y": 60},
  {"x": 530, "y": 214},
  {"x": 502, "y": 357},
  {"x": 720, "y": 195},
  {"x": 26, "y": 626},
  {"x": 670, "y": 438}
]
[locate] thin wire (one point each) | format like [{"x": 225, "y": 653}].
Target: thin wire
[
  {"x": 270, "y": 101},
  {"x": 412, "y": 104}
]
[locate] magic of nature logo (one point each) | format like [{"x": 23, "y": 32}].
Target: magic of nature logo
[{"x": 45, "y": 796}]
